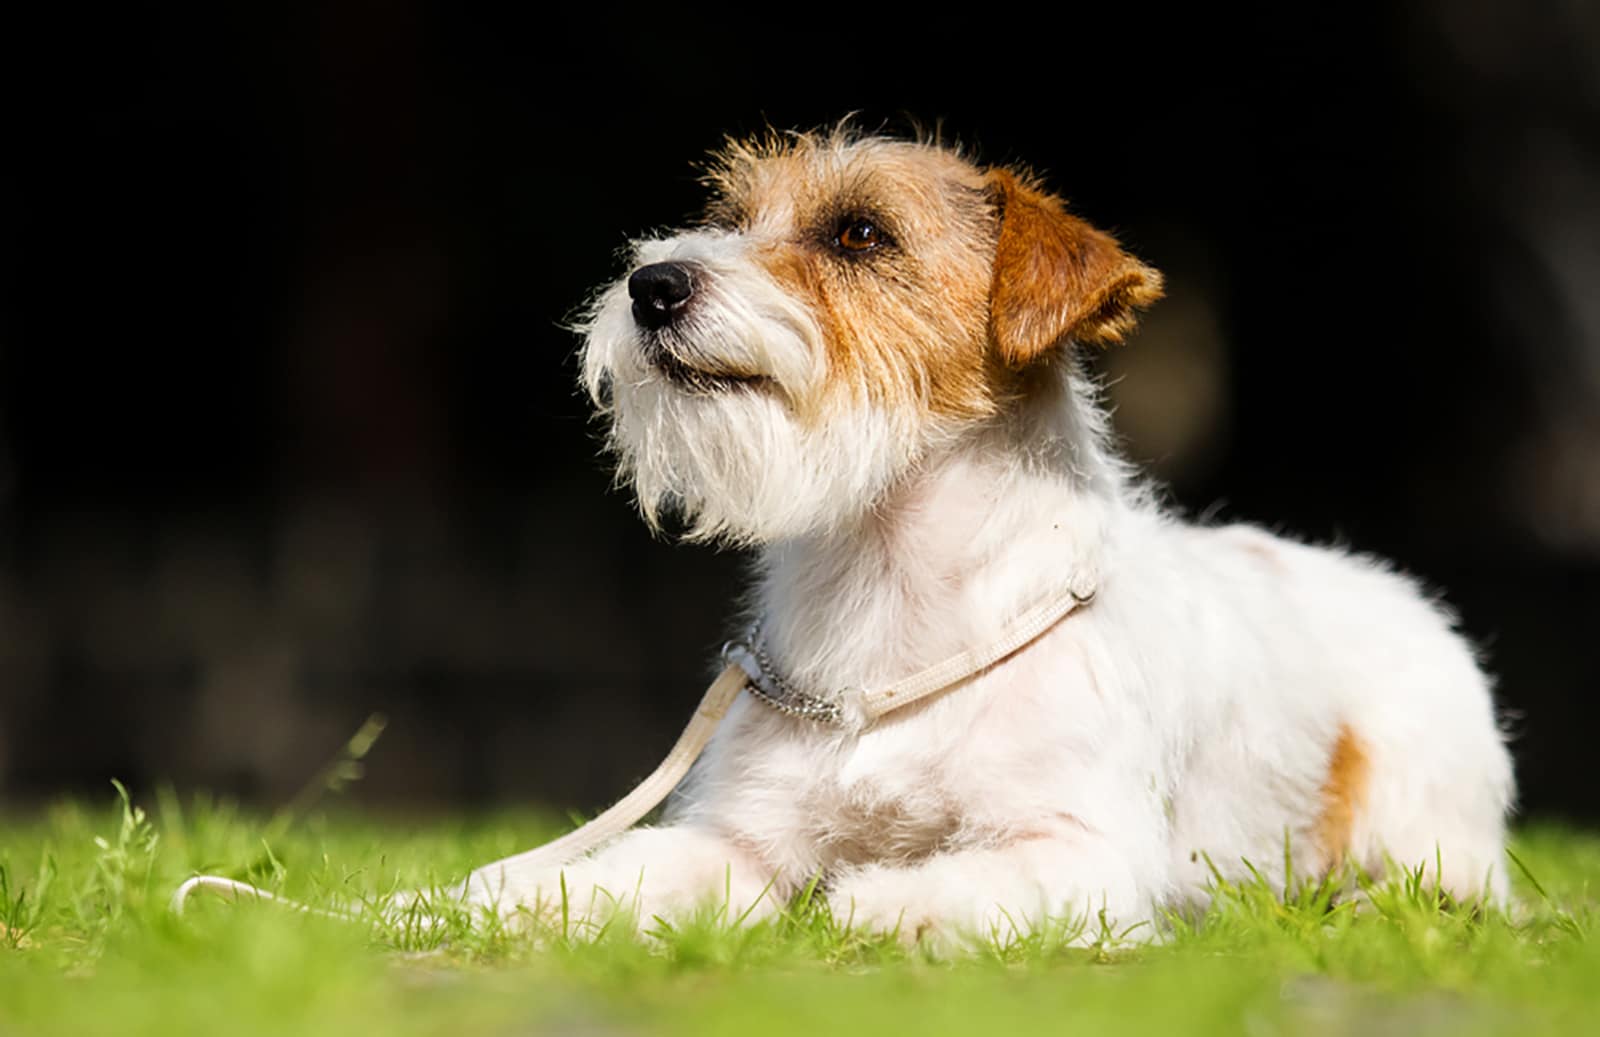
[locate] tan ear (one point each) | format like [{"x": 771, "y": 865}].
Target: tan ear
[{"x": 1058, "y": 278}]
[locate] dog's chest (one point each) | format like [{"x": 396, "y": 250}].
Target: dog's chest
[
  {"x": 833, "y": 801},
  {"x": 982, "y": 762},
  {"x": 889, "y": 806}
]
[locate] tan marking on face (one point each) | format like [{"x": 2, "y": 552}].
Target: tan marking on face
[
  {"x": 981, "y": 272},
  {"x": 1343, "y": 793},
  {"x": 903, "y": 323}
]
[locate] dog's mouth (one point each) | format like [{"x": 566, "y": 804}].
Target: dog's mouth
[{"x": 693, "y": 378}]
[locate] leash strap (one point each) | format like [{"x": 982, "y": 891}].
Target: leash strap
[
  {"x": 714, "y": 705},
  {"x": 624, "y": 814},
  {"x": 232, "y": 889},
  {"x": 627, "y": 811},
  {"x": 1029, "y": 627}
]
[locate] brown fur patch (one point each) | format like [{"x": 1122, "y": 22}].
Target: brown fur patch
[
  {"x": 1344, "y": 790},
  {"x": 1057, "y": 277},
  {"x": 980, "y": 274},
  {"x": 905, "y": 325},
  {"x": 864, "y": 830}
]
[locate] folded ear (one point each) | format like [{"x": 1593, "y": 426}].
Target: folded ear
[{"x": 1056, "y": 277}]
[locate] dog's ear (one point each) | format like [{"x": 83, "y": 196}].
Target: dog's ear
[{"x": 1056, "y": 277}]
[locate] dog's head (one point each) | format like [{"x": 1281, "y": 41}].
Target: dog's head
[{"x": 847, "y": 305}]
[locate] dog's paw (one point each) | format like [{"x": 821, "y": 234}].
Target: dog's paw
[
  {"x": 944, "y": 913},
  {"x": 588, "y": 899},
  {"x": 863, "y": 911},
  {"x": 908, "y": 907},
  {"x": 526, "y": 903}
]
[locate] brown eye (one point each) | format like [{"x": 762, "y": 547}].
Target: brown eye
[{"x": 859, "y": 236}]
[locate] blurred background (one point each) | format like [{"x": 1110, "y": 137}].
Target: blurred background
[{"x": 288, "y": 426}]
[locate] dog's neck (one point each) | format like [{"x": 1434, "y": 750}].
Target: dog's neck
[{"x": 1008, "y": 516}]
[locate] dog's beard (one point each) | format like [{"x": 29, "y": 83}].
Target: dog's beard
[
  {"x": 736, "y": 467},
  {"x": 769, "y": 458}
]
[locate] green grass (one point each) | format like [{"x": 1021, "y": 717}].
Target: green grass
[{"x": 87, "y": 947}]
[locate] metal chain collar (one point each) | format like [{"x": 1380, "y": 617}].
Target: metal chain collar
[{"x": 767, "y": 683}]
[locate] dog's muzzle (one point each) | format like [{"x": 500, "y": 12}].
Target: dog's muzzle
[
  {"x": 660, "y": 293},
  {"x": 663, "y": 294}
]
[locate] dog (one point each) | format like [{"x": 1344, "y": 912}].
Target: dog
[{"x": 864, "y": 361}]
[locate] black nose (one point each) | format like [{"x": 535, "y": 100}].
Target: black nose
[{"x": 660, "y": 292}]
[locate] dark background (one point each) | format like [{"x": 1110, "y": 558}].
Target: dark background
[{"x": 288, "y": 426}]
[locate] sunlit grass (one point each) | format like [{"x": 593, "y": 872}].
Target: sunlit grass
[{"x": 87, "y": 946}]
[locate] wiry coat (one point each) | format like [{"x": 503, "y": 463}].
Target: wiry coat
[{"x": 903, "y": 430}]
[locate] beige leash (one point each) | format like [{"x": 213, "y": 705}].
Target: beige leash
[
  {"x": 624, "y": 814},
  {"x": 1026, "y": 629},
  {"x": 744, "y": 671}
]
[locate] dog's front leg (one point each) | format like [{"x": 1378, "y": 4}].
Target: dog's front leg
[
  {"x": 669, "y": 872},
  {"x": 1070, "y": 877}
]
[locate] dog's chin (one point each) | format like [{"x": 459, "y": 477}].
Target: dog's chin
[
  {"x": 727, "y": 458},
  {"x": 700, "y": 378},
  {"x": 729, "y": 427}
]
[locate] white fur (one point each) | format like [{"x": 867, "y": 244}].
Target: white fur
[
  {"x": 1188, "y": 713},
  {"x": 736, "y": 463}
]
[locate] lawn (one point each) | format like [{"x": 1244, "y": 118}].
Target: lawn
[{"x": 87, "y": 946}]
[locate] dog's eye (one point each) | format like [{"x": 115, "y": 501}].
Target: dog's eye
[{"x": 859, "y": 235}]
